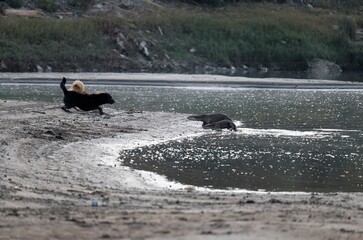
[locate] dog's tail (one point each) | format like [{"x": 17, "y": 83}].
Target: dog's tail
[{"x": 63, "y": 86}]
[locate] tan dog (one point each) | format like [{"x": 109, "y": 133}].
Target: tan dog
[{"x": 78, "y": 86}]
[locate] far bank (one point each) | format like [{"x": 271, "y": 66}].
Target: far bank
[{"x": 242, "y": 39}]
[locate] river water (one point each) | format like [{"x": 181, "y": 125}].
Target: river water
[{"x": 287, "y": 139}]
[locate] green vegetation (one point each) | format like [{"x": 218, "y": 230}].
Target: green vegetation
[
  {"x": 46, "y": 5},
  {"x": 13, "y": 3},
  {"x": 51, "y": 40},
  {"x": 259, "y": 34},
  {"x": 338, "y": 4},
  {"x": 253, "y": 34},
  {"x": 83, "y": 4}
]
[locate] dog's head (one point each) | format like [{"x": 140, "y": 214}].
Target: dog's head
[{"x": 108, "y": 98}]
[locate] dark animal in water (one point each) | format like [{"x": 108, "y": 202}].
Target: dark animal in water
[
  {"x": 213, "y": 118},
  {"x": 220, "y": 125},
  {"x": 85, "y": 102}
]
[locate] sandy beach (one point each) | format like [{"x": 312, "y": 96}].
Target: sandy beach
[{"x": 60, "y": 179}]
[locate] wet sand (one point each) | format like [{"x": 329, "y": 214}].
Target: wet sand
[{"x": 60, "y": 179}]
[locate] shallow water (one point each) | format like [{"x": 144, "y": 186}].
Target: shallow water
[
  {"x": 290, "y": 140},
  {"x": 330, "y": 162}
]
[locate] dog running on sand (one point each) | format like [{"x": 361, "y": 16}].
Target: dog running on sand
[{"x": 85, "y": 102}]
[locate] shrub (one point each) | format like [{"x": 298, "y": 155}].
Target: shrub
[
  {"x": 338, "y": 3},
  {"x": 13, "y": 3},
  {"x": 47, "y": 5},
  {"x": 348, "y": 27},
  {"x": 83, "y": 4},
  {"x": 3, "y": 6}
]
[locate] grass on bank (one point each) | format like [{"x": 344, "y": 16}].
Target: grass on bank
[
  {"x": 260, "y": 34},
  {"x": 51, "y": 40},
  {"x": 252, "y": 34}
]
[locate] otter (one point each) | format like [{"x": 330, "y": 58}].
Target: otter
[
  {"x": 220, "y": 125},
  {"x": 212, "y": 119}
]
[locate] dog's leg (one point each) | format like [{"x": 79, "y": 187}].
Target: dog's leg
[
  {"x": 100, "y": 110},
  {"x": 65, "y": 109}
]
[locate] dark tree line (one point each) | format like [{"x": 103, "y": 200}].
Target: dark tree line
[
  {"x": 332, "y": 3},
  {"x": 223, "y": 2}
]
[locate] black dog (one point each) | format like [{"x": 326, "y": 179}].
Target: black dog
[{"x": 85, "y": 102}]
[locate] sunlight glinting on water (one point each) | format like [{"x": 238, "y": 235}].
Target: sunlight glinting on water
[
  {"x": 287, "y": 140},
  {"x": 285, "y": 133}
]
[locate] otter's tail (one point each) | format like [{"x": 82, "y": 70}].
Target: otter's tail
[{"x": 63, "y": 86}]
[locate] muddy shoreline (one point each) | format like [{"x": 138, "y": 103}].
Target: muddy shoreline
[{"x": 60, "y": 179}]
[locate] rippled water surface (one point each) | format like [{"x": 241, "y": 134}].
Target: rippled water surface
[{"x": 290, "y": 140}]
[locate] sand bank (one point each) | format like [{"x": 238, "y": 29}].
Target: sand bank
[{"x": 60, "y": 180}]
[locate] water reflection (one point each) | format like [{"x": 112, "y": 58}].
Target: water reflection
[{"x": 312, "y": 162}]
